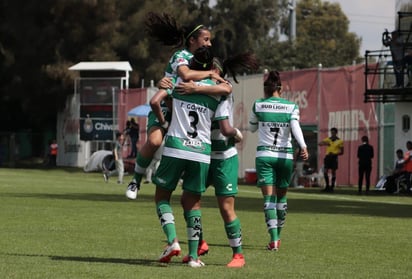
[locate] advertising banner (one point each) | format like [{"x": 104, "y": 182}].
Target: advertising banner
[{"x": 97, "y": 129}]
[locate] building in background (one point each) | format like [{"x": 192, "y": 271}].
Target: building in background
[{"x": 393, "y": 100}]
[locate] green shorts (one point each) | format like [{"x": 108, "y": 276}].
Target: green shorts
[
  {"x": 172, "y": 169},
  {"x": 153, "y": 121},
  {"x": 223, "y": 176},
  {"x": 274, "y": 171}
]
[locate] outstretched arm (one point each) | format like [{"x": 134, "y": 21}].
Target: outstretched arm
[
  {"x": 186, "y": 74},
  {"x": 191, "y": 87}
]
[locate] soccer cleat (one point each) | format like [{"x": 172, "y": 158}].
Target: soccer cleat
[
  {"x": 132, "y": 189},
  {"x": 237, "y": 261},
  {"x": 202, "y": 249},
  {"x": 170, "y": 251},
  {"x": 186, "y": 259},
  {"x": 195, "y": 263},
  {"x": 274, "y": 245},
  {"x": 105, "y": 177}
]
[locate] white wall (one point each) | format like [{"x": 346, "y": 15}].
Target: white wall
[
  {"x": 245, "y": 93},
  {"x": 401, "y": 137},
  {"x": 72, "y": 151}
]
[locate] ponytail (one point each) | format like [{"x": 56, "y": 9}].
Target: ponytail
[
  {"x": 163, "y": 27},
  {"x": 236, "y": 64},
  {"x": 272, "y": 83}
]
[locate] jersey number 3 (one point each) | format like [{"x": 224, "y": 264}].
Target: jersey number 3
[{"x": 195, "y": 119}]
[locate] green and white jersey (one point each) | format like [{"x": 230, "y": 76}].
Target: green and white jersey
[
  {"x": 273, "y": 116},
  {"x": 179, "y": 58},
  {"x": 189, "y": 133},
  {"x": 223, "y": 147}
]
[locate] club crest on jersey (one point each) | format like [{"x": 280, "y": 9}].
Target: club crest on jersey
[{"x": 180, "y": 60}]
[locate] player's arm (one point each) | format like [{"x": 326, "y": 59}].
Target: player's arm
[
  {"x": 253, "y": 122},
  {"x": 186, "y": 74},
  {"x": 298, "y": 134},
  {"x": 165, "y": 83},
  {"x": 156, "y": 108},
  {"x": 191, "y": 87},
  {"x": 228, "y": 131}
]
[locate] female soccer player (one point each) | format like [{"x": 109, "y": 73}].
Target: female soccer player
[
  {"x": 275, "y": 119},
  {"x": 186, "y": 155},
  {"x": 164, "y": 28},
  {"x": 223, "y": 170}
]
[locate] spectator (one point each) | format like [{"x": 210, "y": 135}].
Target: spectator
[
  {"x": 399, "y": 164},
  {"x": 365, "y": 155},
  {"x": 408, "y": 165},
  {"x": 53, "y": 148},
  {"x": 134, "y": 132},
  {"x": 118, "y": 160},
  {"x": 397, "y": 173},
  {"x": 395, "y": 44}
]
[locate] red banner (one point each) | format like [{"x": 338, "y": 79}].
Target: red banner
[{"x": 335, "y": 98}]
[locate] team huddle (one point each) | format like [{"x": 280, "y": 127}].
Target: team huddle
[{"x": 191, "y": 123}]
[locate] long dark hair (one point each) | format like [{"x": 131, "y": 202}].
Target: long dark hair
[
  {"x": 202, "y": 59},
  {"x": 272, "y": 83},
  {"x": 164, "y": 28},
  {"x": 236, "y": 64}
]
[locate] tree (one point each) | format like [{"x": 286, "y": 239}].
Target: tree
[
  {"x": 38, "y": 43},
  {"x": 240, "y": 26},
  {"x": 323, "y": 36}
]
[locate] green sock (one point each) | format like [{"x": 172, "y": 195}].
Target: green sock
[
  {"x": 167, "y": 220},
  {"x": 193, "y": 228},
  {"x": 140, "y": 168},
  {"x": 271, "y": 216},
  {"x": 234, "y": 234},
  {"x": 201, "y": 230},
  {"x": 281, "y": 206}
]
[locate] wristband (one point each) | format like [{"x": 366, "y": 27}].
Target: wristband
[
  {"x": 238, "y": 137},
  {"x": 165, "y": 125}
]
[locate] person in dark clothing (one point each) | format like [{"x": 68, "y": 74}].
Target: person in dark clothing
[
  {"x": 365, "y": 155},
  {"x": 134, "y": 132}
]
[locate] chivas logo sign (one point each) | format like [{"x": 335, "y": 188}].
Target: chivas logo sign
[{"x": 97, "y": 129}]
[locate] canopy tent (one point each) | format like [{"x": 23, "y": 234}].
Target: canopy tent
[{"x": 140, "y": 111}]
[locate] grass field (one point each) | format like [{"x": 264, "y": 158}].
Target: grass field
[{"x": 64, "y": 223}]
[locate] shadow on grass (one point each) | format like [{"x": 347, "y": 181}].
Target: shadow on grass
[
  {"x": 41, "y": 167},
  {"x": 80, "y": 197},
  {"x": 312, "y": 203},
  {"x": 147, "y": 262},
  {"x": 317, "y": 203}
]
